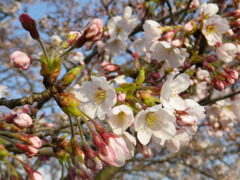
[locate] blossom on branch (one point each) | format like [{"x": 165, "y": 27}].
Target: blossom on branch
[
  {"x": 120, "y": 118},
  {"x": 98, "y": 97},
  {"x": 213, "y": 28},
  {"x": 154, "y": 121}
]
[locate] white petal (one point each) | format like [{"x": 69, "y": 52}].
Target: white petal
[
  {"x": 180, "y": 83},
  {"x": 144, "y": 135}
]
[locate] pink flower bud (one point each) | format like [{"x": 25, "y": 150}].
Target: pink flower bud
[
  {"x": 188, "y": 27},
  {"x": 186, "y": 120},
  {"x": 194, "y": 4},
  {"x": 234, "y": 74},
  {"x": 219, "y": 85},
  {"x": 29, "y": 24},
  {"x": 121, "y": 97},
  {"x": 28, "y": 150},
  {"x": 107, "y": 155},
  {"x": 35, "y": 142},
  {"x": 22, "y": 120},
  {"x": 94, "y": 29},
  {"x": 230, "y": 80},
  {"x": 37, "y": 176},
  {"x": 94, "y": 164},
  {"x": 144, "y": 150},
  {"x": 211, "y": 59},
  {"x": 20, "y": 60},
  {"x": 109, "y": 67}
]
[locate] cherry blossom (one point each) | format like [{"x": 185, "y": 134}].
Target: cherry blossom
[
  {"x": 171, "y": 88},
  {"x": 213, "y": 28},
  {"x": 208, "y": 9},
  {"x": 226, "y": 52},
  {"x": 120, "y": 118},
  {"x": 164, "y": 50},
  {"x": 98, "y": 97},
  {"x": 154, "y": 121}
]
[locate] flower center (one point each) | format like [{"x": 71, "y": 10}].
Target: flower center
[
  {"x": 211, "y": 29},
  {"x": 151, "y": 118},
  {"x": 121, "y": 116},
  {"x": 99, "y": 96}
]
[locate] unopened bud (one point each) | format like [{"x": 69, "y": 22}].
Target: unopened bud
[
  {"x": 70, "y": 77},
  {"x": 68, "y": 103},
  {"x": 107, "y": 155},
  {"x": 92, "y": 32},
  {"x": 141, "y": 77},
  {"x": 28, "y": 150},
  {"x": 144, "y": 150},
  {"x": 50, "y": 72},
  {"x": 71, "y": 38},
  {"x": 22, "y": 120},
  {"x": 186, "y": 120},
  {"x": 219, "y": 85},
  {"x": 20, "y": 60},
  {"x": 29, "y": 24},
  {"x": 94, "y": 29},
  {"x": 234, "y": 74},
  {"x": 3, "y": 152},
  {"x": 109, "y": 67},
  {"x": 121, "y": 97}
]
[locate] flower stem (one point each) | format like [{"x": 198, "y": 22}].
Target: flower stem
[
  {"x": 8, "y": 139},
  {"x": 66, "y": 52},
  {"x": 44, "y": 51},
  {"x": 80, "y": 130},
  {"x": 71, "y": 126}
]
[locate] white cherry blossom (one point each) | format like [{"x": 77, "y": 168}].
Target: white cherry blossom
[
  {"x": 121, "y": 26},
  {"x": 208, "y": 9},
  {"x": 171, "y": 88},
  {"x": 120, "y": 118},
  {"x": 165, "y": 51},
  {"x": 98, "y": 97},
  {"x": 226, "y": 52},
  {"x": 213, "y": 28},
  {"x": 154, "y": 121}
]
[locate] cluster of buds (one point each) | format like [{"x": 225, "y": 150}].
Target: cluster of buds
[
  {"x": 31, "y": 146},
  {"x": 223, "y": 80},
  {"x": 112, "y": 148}
]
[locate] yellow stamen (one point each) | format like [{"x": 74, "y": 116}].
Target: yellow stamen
[
  {"x": 211, "y": 29},
  {"x": 152, "y": 119},
  {"x": 121, "y": 117},
  {"x": 99, "y": 96}
]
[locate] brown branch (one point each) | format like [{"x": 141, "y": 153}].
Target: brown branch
[
  {"x": 207, "y": 101},
  {"x": 36, "y": 97}
]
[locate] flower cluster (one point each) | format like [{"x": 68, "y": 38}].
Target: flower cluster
[{"x": 175, "y": 78}]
